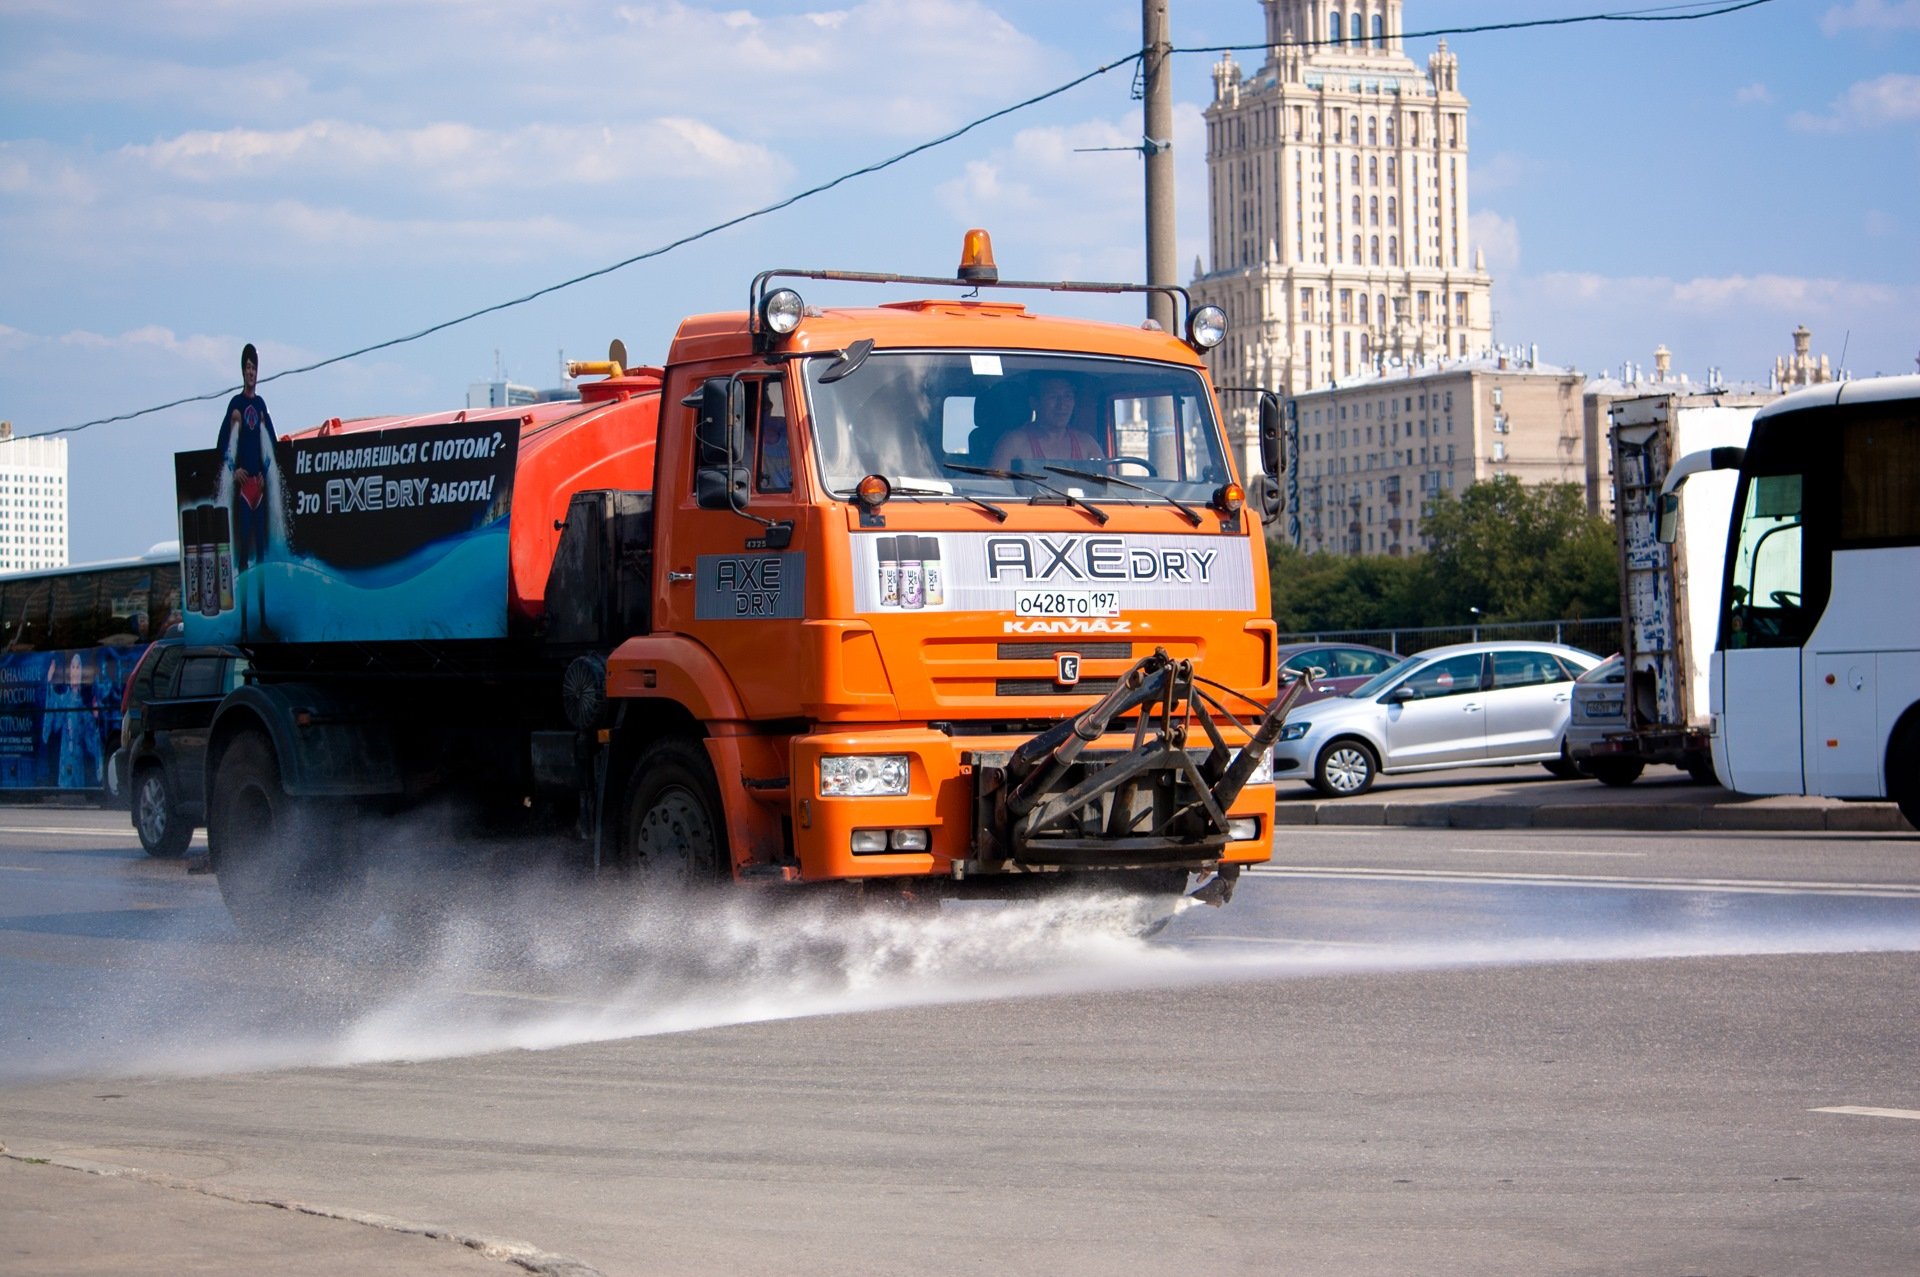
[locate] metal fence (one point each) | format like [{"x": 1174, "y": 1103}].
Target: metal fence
[{"x": 1601, "y": 635}]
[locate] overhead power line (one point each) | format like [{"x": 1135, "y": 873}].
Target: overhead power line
[{"x": 1662, "y": 13}]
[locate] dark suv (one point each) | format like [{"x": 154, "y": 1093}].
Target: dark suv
[{"x": 163, "y": 737}]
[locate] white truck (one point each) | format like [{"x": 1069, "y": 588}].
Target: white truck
[{"x": 1669, "y": 594}]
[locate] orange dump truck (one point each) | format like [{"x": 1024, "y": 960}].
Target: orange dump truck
[{"x": 940, "y": 596}]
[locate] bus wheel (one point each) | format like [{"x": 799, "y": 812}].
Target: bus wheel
[
  {"x": 163, "y": 831},
  {"x": 269, "y": 853},
  {"x": 1903, "y": 770},
  {"x": 674, "y": 837}
]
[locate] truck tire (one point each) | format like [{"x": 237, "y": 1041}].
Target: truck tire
[
  {"x": 270, "y": 854},
  {"x": 1563, "y": 767},
  {"x": 1699, "y": 766},
  {"x": 1617, "y": 772},
  {"x": 164, "y": 833},
  {"x": 674, "y": 834},
  {"x": 1345, "y": 769}
]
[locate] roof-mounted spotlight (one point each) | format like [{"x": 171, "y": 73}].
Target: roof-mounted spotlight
[
  {"x": 781, "y": 312},
  {"x": 976, "y": 259},
  {"x": 1206, "y": 327}
]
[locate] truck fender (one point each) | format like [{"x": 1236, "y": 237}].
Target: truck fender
[
  {"x": 326, "y": 744},
  {"x": 672, "y": 667}
]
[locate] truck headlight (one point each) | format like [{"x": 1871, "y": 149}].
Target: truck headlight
[
  {"x": 864, "y": 775},
  {"x": 1263, "y": 770},
  {"x": 1294, "y": 731}
]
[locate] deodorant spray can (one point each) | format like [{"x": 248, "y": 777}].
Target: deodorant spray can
[
  {"x": 889, "y": 572},
  {"x": 223, "y": 558},
  {"x": 913, "y": 585},
  {"x": 209, "y": 565},
  {"x": 190, "y": 522},
  {"x": 930, "y": 569}
]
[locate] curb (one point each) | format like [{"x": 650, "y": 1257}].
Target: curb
[{"x": 1818, "y": 816}]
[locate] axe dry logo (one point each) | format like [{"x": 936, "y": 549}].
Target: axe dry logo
[{"x": 1063, "y": 559}]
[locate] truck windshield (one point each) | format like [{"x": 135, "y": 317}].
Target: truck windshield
[{"x": 926, "y": 420}]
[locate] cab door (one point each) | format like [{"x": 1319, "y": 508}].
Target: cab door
[{"x": 726, "y": 581}]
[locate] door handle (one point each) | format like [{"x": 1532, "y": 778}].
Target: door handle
[
  {"x": 1470, "y": 708},
  {"x": 679, "y": 578}
]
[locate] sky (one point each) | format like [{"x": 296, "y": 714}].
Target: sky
[{"x": 180, "y": 177}]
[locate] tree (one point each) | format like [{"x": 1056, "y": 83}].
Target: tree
[
  {"x": 1519, "y": 552},
  {"x": 1342, "y": 592}
]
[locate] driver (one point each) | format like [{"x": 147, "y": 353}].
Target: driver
[{"x": 1052, "y": 435}]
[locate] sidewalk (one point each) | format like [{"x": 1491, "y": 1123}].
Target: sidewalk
[{"x": 1528, "y": 798}]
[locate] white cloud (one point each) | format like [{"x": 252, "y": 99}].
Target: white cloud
[
  {"x": 1872, "y": 15},
  {"x": 1755, "y": 94},
  {"x": 1500, "y": 171},
  {"x": 461, "y": 156},
  {"x": 1734, "y": 322},
  {"x": 1893, "y": 98},
  {"x": 1066, "y": 207},
  {"x": 1500, "y": 238}
]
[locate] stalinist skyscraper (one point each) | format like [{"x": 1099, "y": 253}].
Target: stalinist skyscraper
[{"x": 1337, "y": 183}]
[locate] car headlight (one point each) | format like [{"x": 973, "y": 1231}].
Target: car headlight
[
  {"x": 1294, "y": 731},
  {"x": 864, "y": 775}
]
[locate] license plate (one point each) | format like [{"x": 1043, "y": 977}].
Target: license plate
[
  {"x": 1067, "y": 603},
  {"x": 1603, "y": 709}
]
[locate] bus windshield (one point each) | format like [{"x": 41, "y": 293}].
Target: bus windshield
[{"x": 931, "y": 422}]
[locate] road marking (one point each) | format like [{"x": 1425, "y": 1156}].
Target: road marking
[
  {"x": 1532, "y": 851},
  {"x": 1912, "y": 1115},
  {"x": 1756, "y": 886},
  {"x": 26, "y": 869},
  {"x": 77, "y": 833}
]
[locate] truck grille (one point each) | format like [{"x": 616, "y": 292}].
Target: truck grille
[
  {"x": 1047, "y": 687},
  {"x": 1107, "y": 650}
]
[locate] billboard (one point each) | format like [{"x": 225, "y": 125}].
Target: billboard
[{"x": 366, "y": 536}]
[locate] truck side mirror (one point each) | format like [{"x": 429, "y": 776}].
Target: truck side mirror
[
  {"x": 1271, "y": 459},
  {"x": 720, "y": 438},
  {"x": 1669, "y": 518}
]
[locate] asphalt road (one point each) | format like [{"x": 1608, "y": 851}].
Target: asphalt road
[{"x": 1398, "y": 1051}]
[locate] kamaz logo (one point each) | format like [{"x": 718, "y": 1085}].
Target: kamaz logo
[
  {"x": 1068, "y": 671},
  {"x": 1061, "y": 560}
]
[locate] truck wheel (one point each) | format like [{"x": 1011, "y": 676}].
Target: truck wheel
[
  {"x": 1345, "y": 769},
  {"x": 1700, "y": 767},
  {"x": 674, "y": 837},
  {"x": 269, "y": 853},
  {"x": 1618, "y": 772},
  {"x": 1564, "y": 767},
  {"x": 163, "y": 832}
]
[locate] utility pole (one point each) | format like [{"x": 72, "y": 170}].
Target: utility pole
[{"x": 1157, "y": 76}]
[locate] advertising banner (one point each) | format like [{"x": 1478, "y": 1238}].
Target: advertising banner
[
  {"x": 1046, "y": 576},
  {"x": 368, "y": 536},
  {"x": 60, "y": 715}
]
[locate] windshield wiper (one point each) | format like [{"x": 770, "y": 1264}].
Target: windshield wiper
[
  {"x": 1193, "y": 516},
  {"x": 1034, "y": 479},
  {"x": 992, "y": 509}
]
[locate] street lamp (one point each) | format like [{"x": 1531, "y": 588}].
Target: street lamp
[{"x": 1477, "y": 614}]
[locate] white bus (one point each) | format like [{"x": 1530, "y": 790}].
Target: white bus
[{"x": 1816, "y": 673}]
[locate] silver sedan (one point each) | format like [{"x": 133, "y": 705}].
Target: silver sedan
[{"x": 1469, "y": 705}]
